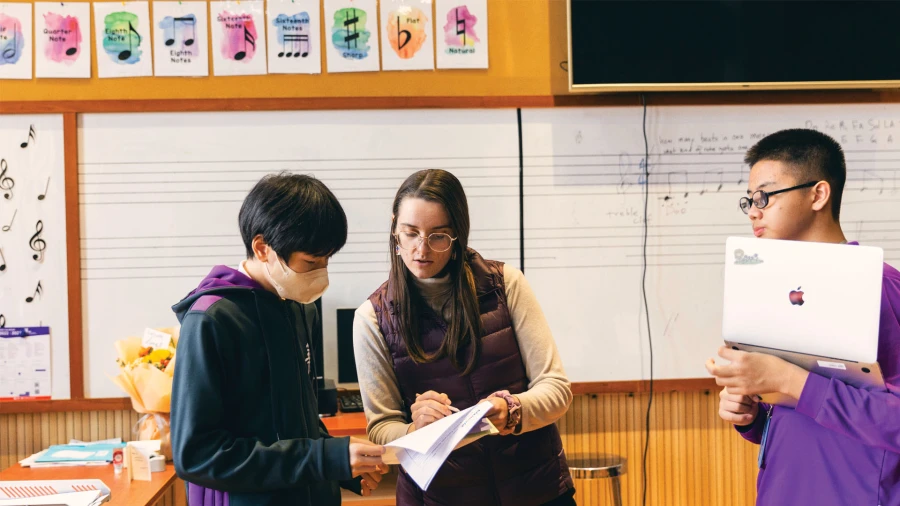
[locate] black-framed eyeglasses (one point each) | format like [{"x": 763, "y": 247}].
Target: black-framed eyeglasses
[
  {"x": 760, "y": 198},
  {"x": 438, "y": 242}
]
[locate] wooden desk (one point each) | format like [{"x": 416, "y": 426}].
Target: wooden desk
[
  {"x": 122, "y": 492},
  {"x": 346, "y": 424}
]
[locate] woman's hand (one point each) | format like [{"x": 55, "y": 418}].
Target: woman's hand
[{"x": 429, "y": 408}]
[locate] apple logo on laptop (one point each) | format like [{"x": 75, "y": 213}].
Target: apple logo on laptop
[{"x": 796, "y": 297}]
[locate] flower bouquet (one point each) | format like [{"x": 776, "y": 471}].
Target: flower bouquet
[{"x": 145, "y": 374}]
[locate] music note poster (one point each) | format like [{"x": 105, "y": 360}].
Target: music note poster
[
  {"x": 180, "y": 42},
  {"x": 62, "y": 41},
  {"x": 406, "y": 29},
  {"x": 351, "y": 34},
  {"x": 462, "y": 34},
  {"x": 33, "y": 287},
  {"x": 238, "y": 38},
  {"x": 123, "y": 39},
  {"x": 294, "y": 36},
  {"x": 15, "y": 41}
]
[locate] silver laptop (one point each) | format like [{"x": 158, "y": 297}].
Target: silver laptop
[{"x": 812, "y": 304}]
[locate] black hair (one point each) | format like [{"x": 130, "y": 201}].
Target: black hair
[
  {"x": 293, "y": 213},
  {"x": 809, "y": 155}
]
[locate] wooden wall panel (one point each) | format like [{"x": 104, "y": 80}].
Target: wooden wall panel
[{"x": 695, "y": 458}]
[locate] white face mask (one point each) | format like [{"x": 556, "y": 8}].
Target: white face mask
[{"x": 304, "y": 288}]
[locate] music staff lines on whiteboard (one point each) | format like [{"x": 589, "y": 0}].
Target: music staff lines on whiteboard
[
  {"x": 254, "y": 179},
  {"x": 416, "y": 159}
]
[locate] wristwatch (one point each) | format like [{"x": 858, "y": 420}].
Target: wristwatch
[{"x": 515, "y": 408}]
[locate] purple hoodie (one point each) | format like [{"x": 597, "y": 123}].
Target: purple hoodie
[{"x": 841, "y": 445}]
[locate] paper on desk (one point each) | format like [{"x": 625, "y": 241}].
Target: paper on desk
[
  {"x": 18, "y": 490},
  {"x": 89, "y": 498},
  {"x": 138, "y": 458},
  {"x": 424, "y": 451}
]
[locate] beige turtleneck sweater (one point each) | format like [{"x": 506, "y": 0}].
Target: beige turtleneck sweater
[{"x": 546, "y": 400}]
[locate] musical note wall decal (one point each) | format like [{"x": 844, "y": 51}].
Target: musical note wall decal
[
  {"x": 297, "y": 45},
  {"x": 249, "y": 38},
  {"x": 42, "y": 196},
  {"x": 38, "y": 292},
  {"x": 31, "y": 137},
  {"x": 121, "y": 40},
  {"x": 459, "y": 31},
  {"x": 407, "y": 31},
  {"x": 36, "y": 243},
  {"x": 171, "y": 25},
  {"x": 350, "y": 34},
  {"x": 6, "y": 182},
  {"x": 2, "y": 261},
  {"x": 7, "y": 228},
  {"x": 12, "y": 41}
]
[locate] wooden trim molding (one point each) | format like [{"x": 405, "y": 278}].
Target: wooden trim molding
[
  {"x": 597, "y": 387},
  {"x": 73, "y": 257},
  {"x": 642, "y": 386},
  {"x": 69, "y": 405},
  {"x": 485, "y": 102}
]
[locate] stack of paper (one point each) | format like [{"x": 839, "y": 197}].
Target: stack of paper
[
  {"x": 424, "y": 451},
  {"x": 73, "y": 499},
  {"x": 46, "y": 492}
]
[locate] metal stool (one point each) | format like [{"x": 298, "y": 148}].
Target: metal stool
[{"x": 600, "y": 466}]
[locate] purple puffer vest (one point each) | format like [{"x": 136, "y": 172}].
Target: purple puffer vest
[{"x": 520, "y": 470}]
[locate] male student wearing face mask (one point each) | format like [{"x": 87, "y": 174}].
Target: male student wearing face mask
[{"x": 245, "y": 427}]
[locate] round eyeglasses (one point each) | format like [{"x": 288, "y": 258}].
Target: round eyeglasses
[
  {"x": 438, "y": 242},
  {"x": 760, "y": 198}
]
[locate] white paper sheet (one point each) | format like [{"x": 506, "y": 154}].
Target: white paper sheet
[{"x": 424, "y": 451}]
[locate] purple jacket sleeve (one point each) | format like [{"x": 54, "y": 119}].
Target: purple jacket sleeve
[
  {"x": 754, "y": 431},
  {"x": 873, "y": 418},
  {"x": 870, "y": 417}
]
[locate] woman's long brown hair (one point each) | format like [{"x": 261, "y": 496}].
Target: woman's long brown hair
[{"x": 464, "y": 325}]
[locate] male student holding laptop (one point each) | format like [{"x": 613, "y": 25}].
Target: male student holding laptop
[{"x": 840, "y": 446}]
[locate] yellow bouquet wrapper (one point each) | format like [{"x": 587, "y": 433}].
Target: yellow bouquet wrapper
[{"x": 146, "y": 376}]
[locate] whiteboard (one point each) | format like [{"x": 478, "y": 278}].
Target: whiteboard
[
  {"x": 160, "y": 195},
  {"x": 583, "y": 217},
  {"x": 33, "y": 236}
]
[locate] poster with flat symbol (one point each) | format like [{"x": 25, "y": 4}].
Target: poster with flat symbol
[
  {"x": 33, "y": 267},
  {"x": 180, "y": 42},
  {"x": 461, "y": 28},
  {"x": 62, "y": 39},
  {"x": 294, "y": 36},
  {"x": 15, "y": 41},
  {"x": 406, "y": 29},
  {"x": 123, "y": 39},
  {"x": 351, "y": 35},
  {"x": 238, "y": 38}
]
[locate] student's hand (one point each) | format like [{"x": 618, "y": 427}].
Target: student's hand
[
  {"x": 429, "y": 408},
  {"x": 499, "y": 414},
  {"x": 370, "y": 482},
  {"x": 365, "y": 457},
  {"x": 737, "y": 409},
  {"x": 757, "y": 373}
]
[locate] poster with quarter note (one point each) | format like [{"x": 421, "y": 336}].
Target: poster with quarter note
[{"x": 62, "y": 40}]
